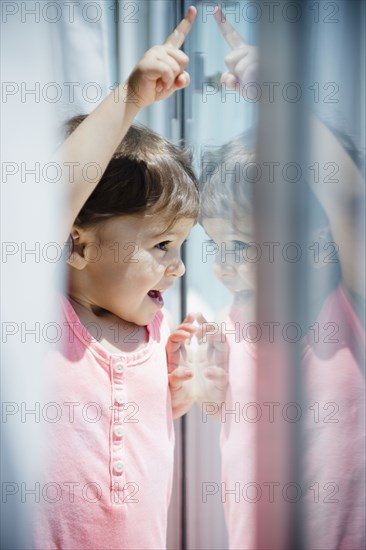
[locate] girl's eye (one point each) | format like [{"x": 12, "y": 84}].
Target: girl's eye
[
  {"x": 240, "y": 245},
  {"x": 162, "y": 246}
]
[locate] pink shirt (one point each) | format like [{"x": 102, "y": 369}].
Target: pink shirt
[
  {"x": 108, "y": 471},
  {"x": 333, "y": 428}
]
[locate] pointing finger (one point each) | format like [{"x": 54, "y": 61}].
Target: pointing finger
[
  {"x": 232, "y": 37},
  {"x": 181, "y": 32},
  {"x": 229, "y": 80}
]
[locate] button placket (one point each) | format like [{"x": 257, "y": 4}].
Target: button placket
[
  {"x": 117, "y": 436},
  {"x": 120, "y": 397},
  {"x": 118, "y": 430},
  {"x": 118, "y": 466},
  {"x": 119, "y": 367}
]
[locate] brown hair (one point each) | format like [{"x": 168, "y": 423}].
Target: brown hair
[
  {"x": 227, "y": 179},
  {"x": 147, "y": 174}
]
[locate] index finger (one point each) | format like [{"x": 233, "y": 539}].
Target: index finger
[
  {"x": 181, "y": 32},
  {"x": 232, "y": 37}
]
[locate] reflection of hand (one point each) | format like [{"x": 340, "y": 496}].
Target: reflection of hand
[
  {"x": 242, "y": 61},
  {"x": 161, "y": 70},
  {"x": 211, "y": 377},
  {"x": 180, "y": 366}
]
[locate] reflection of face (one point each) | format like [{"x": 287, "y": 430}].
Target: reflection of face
[
  {"x": 137, "y": 259},
  {"x": 232, "y": 266}
]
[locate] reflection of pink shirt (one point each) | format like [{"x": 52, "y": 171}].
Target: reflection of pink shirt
[
  {"x": 238, "y": 441},
  {"x": 110, "y": 455},
  {"x": 334, "y": 464},
  {"x": 333, "y": 470}
]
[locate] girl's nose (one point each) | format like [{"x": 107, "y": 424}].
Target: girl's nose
[
  {"x": 176, "y": 268},
  {"x": 224, "y": 268}
]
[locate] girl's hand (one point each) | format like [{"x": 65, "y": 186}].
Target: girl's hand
[
  {"x": 242, "y": 61},
  {"x": 181, "y": 365},
  {"x": 161, "y": 70}
]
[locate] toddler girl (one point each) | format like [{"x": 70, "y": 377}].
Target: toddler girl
[{"x": 109, "y": 464}]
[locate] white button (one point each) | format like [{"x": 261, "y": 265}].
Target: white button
[
  {"x": 120, "y": 398},
  {"x": 119, "y": 431},
  {"x": 118, "y": 466},
  {"x": 119, "y": 367}
]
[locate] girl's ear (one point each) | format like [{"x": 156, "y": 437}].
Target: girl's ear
[{"x": 77, "y": 256}]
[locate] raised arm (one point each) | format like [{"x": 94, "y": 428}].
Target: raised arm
[
  {"x": 158, "y": 74},
  {"x": 342, "y": 196}
]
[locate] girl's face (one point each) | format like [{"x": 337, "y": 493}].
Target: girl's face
[
  {"x": 233, "y": 259},
  {"x": 125, "y": 266}
]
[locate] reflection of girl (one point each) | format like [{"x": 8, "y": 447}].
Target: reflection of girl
[
  {"x": 334, "y": 383},
  {"x": 333, "y": 466}
]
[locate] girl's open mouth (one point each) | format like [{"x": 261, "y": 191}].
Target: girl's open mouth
[{"x": 156, "y": 297}]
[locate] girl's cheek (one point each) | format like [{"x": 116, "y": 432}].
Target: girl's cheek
[
  {"x": 151, "y": 265},
  {"x": 120, "y": 253},
  {"x": 131, "y": 253}
]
